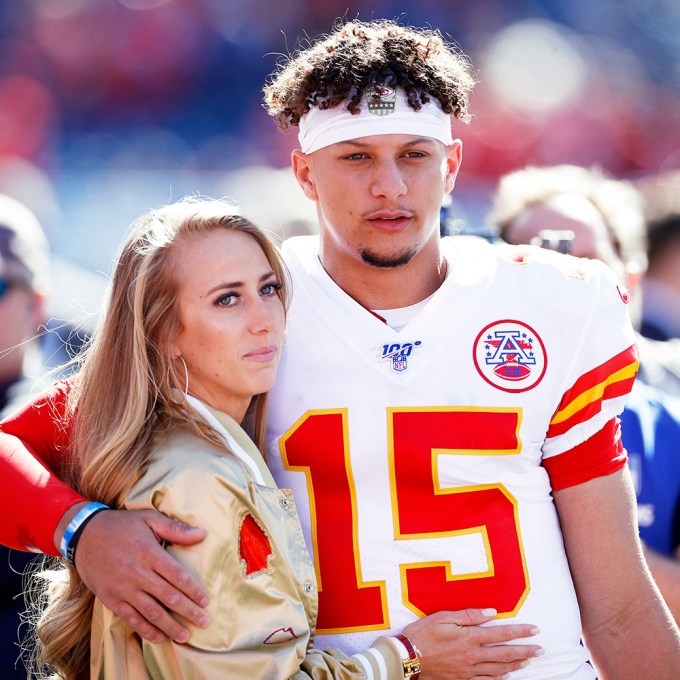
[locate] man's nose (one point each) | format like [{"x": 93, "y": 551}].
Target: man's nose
[{"x": 388, "y": 180}]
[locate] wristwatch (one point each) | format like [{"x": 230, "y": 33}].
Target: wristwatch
[{"x": 412, "y": 663}]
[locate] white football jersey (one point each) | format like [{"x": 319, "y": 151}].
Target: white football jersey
[{"x": 416, "y": 456}]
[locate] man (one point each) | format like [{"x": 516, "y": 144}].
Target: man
[
  {"x": 415, "y": 397},
  {"x": 602, "y": 218},
  {"x": 24, "y": 276},
  {"x": 661, "y": 285}
]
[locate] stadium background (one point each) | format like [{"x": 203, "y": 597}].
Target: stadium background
[{"x": 109, "y": 107}]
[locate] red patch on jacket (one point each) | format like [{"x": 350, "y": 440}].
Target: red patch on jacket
[{"x": 254, "y": 546}]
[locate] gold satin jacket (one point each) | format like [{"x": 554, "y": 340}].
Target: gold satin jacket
[{"x": 254, "y": 564}]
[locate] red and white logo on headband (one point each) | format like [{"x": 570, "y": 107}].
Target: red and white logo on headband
[
  {"x": 510, "y": 355},
  {"x": 381, "y": 100},
  {"x": 387, "y": 112}
]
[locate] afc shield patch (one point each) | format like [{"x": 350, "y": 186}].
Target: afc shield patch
[{"x": 510, "y": 355}]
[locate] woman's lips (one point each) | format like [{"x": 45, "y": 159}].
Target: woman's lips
[{"x": 262, "y": 353}]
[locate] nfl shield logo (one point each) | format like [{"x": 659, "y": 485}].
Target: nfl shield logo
[
  {"x": 399, "y": 363},
  {"x": 397, "y": 354}
]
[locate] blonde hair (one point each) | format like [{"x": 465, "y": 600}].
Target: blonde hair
[{"x": 126, "y": 393}]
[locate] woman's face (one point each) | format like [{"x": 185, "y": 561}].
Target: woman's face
[{"x": 232, "y": 319}]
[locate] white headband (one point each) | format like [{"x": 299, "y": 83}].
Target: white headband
[{"x": 390, "y": 115}]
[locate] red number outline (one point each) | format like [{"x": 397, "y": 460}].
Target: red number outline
[
  {"x": 318, "y": 445},
  {"x": 502, "y": 427},
  {"x": 373, "y": 594}
]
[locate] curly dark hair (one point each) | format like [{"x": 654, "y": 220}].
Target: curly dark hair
[{"x": 355, "y": 57}]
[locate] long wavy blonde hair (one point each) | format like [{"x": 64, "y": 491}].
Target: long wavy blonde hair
[{"x": 125, "y": 394}]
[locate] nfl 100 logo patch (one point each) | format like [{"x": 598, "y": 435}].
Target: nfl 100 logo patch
[
  {"x": 510, "y": 355},
  {"x": 398, "y": 354}
]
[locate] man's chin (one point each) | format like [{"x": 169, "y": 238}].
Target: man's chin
[{"x": 387, "y": 260}]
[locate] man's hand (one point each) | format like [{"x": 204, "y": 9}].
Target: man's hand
[
  {"x": 121, "y": 561},
  {"x": 455, "y": 647}
]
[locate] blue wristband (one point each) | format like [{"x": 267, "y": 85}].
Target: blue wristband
[{"x": 69, "y": 540}]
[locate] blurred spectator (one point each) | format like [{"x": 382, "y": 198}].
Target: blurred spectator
[
  {"x": 661, "y": 285},
  {"x": 596, "y": 216},
  {"x": 607, "y": 221},
  {"x": 24, "y": 281},
  {"x": 650, "y": 429},
  {"x": 102, "y": 110},
  {"x": 271, "y": 198}
]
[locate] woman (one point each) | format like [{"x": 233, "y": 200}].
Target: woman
[{"x": 185, "y": 354}]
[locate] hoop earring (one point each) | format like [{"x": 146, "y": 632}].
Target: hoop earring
[{"x": 186, "y": 374}]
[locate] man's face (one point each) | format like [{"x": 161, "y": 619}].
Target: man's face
[
  {"x": 574, "y": 213},
  {"x": 378, "y": 198}
]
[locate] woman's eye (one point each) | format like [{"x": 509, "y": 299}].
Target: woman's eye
[
  {"x": 227, "y": 300},
  {"x": 270, "y": 289}
]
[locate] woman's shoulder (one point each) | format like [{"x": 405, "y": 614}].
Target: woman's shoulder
[{"x": 182, "y": 459}]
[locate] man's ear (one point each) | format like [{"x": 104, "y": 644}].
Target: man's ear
[
  {"x": 302, "y": 169},
  {"x": 454, "y": 157},
  {"x": 38, "y": 310}
]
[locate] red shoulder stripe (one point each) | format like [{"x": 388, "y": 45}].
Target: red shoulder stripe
[
  {"x": 612, "y": 379},
  {"x": 598, "y": 456}
]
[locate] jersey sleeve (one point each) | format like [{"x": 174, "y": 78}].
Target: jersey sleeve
[
  {"x": 598, "y": 456},
  {"x": 33, "y": 445},
  {"x": 583, "y": 438}
]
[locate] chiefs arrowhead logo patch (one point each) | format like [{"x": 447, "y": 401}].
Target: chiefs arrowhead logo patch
[{"x": 254, "y": 546}]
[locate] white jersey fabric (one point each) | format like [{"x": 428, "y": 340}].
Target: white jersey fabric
[{"x": 415, "y": 456}]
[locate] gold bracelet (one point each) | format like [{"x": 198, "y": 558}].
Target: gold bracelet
[{"x": 412, "y": 664}]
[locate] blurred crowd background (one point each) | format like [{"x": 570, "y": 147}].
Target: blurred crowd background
[{"x": 109, "y": 107}]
